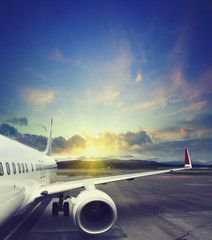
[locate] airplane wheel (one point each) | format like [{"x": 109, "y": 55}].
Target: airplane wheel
[
  {"x": 66, "y": 209},
  {"x": 55, "y": 209}
]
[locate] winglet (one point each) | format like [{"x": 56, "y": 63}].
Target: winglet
[
  {"x": 49, "y": 145},
  {"x": 187, "y": 159}
]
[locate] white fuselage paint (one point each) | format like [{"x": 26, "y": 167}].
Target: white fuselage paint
[{"x": 16, "y": 188}]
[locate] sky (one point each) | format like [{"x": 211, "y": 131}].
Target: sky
[{"x": 117, "y": 76}]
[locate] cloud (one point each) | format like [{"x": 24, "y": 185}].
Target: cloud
[
  {"x": 35, "y": 141},
  {"x": 167, "y": 132},
  {"x": 186, "y": 133},
  {"x": 193, "y": 107},
  {"x": 200, "y": 126},
  {"x": 120, "y": 68},
  {"x": 170, "y": 86},
  {"x": 200, "y": 121},
  {"x": 202, "y": 86},
  {"x": 139, "y": 138},
  {"x": 151, "y": 105},
  {"x": 104, "y": 143},
  {"x": 37, "y": 98},
  {"x": 119, "y": 104},
  {"x": 196, "y": 106},
  {"x": 195, "y": 92},
  {"x": 166, "y": 85},
  {"x": 138, "y": 78},
  {"x": 36, "y": 73},
  {"x": 57, "y": 56},
  {"x": 23, "y": 121},
  {"x": 106, "y": 95},
  {"x": 131, "y": 142},
  {"x": 195, "y": 97},
  {"x": 9, "y": 131},
  {"x": 61, "y": 144},
  {"x": 200, "y": 150},
  {"x": 77, "y": 142},
  {"x": 107, "y": 80}
]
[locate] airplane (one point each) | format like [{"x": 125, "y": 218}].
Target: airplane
[{"x": 26, "y": 175}]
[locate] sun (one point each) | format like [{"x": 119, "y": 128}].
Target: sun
[
  {"x": 94, "y": 149},
  {"x": 91, "y": 150}
]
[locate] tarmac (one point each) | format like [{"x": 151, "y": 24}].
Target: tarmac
[{"x": 162, "y": 207}]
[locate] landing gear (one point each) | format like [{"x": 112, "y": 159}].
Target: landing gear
[
  {"x": 66, "y": 209},
  {"x": 55, "y": 209},
  {"x": 60, "y": 206}
]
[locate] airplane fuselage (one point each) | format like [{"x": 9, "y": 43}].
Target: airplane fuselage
[{"x": 22, "y": 170}]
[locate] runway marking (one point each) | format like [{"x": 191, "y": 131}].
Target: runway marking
[
  {"x": 17, "y": 227},
  {"x": 175, "y": 176}
]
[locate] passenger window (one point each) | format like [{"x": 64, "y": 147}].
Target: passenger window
[
  {"x": 8, "y": 168},
  {"x": 26, "y": 167},
  {"x": 1, "y": 169},
  {"x": 14, "y": 168},
  {"x": 23, "y": 170},
  {"x": 32, "y": 167},
  {"x": 19, "y": 168}
]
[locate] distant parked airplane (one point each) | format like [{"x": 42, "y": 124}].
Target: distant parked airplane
[{"x": 25, "y": 176}]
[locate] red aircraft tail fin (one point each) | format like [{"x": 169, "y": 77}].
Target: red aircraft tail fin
[{"x": 187, "y": 159}]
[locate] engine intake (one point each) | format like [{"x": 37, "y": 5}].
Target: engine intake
[{"x": 94, "y": 211}]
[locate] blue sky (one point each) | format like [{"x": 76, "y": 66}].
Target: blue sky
[{"x": 108, "y": 68}]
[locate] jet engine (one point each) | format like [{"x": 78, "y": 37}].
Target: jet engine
[{"x": 94, "y": 211}]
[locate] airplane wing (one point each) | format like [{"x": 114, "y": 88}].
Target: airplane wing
[{"x": 89, "y": 184}]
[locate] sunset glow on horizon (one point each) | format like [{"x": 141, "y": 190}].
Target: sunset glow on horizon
[{"x": 116, "y": 76}]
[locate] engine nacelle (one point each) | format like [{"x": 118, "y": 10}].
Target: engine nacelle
[{"x": 94, "y": 211}]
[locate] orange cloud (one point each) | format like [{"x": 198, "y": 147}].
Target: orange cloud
[
  {"x": 138, "y": 78},
  {"x": 197, "y": 106},
  {"x": 185, "y": 133}
]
